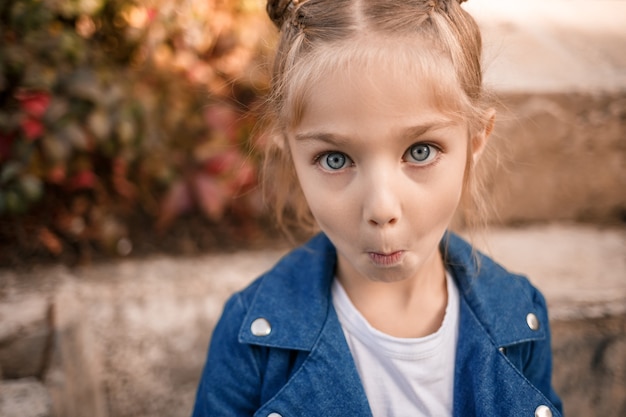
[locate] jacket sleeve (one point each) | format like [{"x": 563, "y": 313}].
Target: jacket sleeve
[
  {"x": 538, "y": 364},
  {"x": 230, "y": 381}
]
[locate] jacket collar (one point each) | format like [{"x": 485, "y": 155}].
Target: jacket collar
[
  {"x": 498, "y": 299},
  {"x": 285, "y": 293},
  {"x": 284, "y": 296}
]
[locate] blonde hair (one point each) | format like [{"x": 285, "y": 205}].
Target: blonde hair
[{"x": 318, "y": 36}]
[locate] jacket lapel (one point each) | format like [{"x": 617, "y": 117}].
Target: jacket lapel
[
  {"x": 485, "y": 381},
  {"x": 327, "y": 383},
  {"x": 494, "y": 306},
  {"x": 294, "y": 297}
]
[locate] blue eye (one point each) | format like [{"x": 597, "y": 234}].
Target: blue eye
[
  {"x": 333, "y": 161},
  {"x": 421, "y": 153}
]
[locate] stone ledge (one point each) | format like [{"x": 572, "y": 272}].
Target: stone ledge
[
  {"x": 581, "y": 270},
  {"x": 24, "y": 398},
  {"x": 24, "y": 337},
  {"x": 590, "y": 365}
]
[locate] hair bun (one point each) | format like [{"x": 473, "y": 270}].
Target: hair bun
[{"x": 278, "y": 11}]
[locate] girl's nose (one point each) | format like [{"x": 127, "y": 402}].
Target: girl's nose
[
  {"x": 381, "y": 205},
  {"x": 382, "y": 220}
]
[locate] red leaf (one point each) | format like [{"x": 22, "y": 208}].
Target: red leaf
[
  {"x": 211, "y": 196},
  {"x": 50, "y": 241},
  {"x": 6, "y": 143},
  {"x": 56, "y": 175},
  {"x": 245, "y": 177},
  {"x": 222, "y": 119},
  {"x": 175, "y": 202},
  {"x": 121, "y": 184},
  {"x": 32, "y": 128},
  {"x": 223, "y": 162},
  {"x": 152, "y": 13},
  {"x": 34, "y": 103},
  {"x": 83, "y": 180}
]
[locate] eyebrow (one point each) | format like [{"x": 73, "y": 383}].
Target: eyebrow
[
  {"x": 420, "y": 130},
  {"x": 412, "y": 131},
  {"x": 330, "y": 138}
]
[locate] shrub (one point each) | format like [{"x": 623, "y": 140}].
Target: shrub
[{"x": 111, "y": 109}]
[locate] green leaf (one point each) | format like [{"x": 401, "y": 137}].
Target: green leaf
[
  {"x": 83, "y": 84},
  {"x": 10, "y": 171},
  {"x": 31, "y": 187},
  {"x": 55, "y": 149},
  {"x": 99, "y": 123},
  {"x": 14, "y": 202},
  {"x": 74, "y": 135}
]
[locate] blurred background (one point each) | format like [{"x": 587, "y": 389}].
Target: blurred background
[
  {"x": 129, "y": 205},
  {"x": 119, "y": 117}
]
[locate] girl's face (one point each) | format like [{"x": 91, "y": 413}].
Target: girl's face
[{"x": 382, "y": 170}]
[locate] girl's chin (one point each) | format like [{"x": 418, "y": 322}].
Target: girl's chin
[{"x": 389, "y": 274}]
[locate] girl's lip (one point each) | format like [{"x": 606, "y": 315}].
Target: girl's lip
[{"x": 386, "y": 259}]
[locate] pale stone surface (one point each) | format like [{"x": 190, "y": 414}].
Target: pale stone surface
[
  {"x": 33, "y": 314},
  {"x": 561, "y": 158},
  {"x": 580, "y": 269},
  {"x": 153, "y": 319},
  {"x": 24, "y": 398},
  {"x": 24, "y": 336},
  {"x": 74, "y": 374},
  {"x": 590, "y": 365},
  {"x": 552, "y": 46}
]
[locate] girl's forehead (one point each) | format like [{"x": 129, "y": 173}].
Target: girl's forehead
[
  {"x": 411, "y": 58},
  {"x": 384, "y": 64}
]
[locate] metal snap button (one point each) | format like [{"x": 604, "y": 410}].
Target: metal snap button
[
  {"x": 532, "y": 321},
  {"x": 274, "y": 415},
  {"x": 260, "y": 327},
  {"x": 543, "y": 411}
]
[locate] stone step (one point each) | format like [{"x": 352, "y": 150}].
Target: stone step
[
  {"x": 553, "y": 46},
  {"x": 24, "y": 398},
  {"x": 558, "y": 71},
  {"x": 580, "y": 269},
  {"x": 144, "y": 325}
]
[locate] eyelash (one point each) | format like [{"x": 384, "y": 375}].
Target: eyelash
[
  {"x": 433, "y": 149},
  {"x": 319, "y": 160}
]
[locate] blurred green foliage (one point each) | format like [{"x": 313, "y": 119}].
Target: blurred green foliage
[{"x": 109, "y": 108}]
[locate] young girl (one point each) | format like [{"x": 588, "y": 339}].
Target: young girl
[{"x": 377, "y": 122}]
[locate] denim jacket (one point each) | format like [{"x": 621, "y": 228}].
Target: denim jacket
[{"x": 279, "y": 350}]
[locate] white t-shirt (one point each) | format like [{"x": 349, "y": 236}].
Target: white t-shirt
[{"x": 403, "y": 376}]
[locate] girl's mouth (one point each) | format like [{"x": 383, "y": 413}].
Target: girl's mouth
[{"x": 386, "y": 259}]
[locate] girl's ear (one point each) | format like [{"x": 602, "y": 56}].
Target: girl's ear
[{"x": 479, "y": 141}]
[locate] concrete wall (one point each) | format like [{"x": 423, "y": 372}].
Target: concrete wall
[{"x": 561, "y": 157}]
